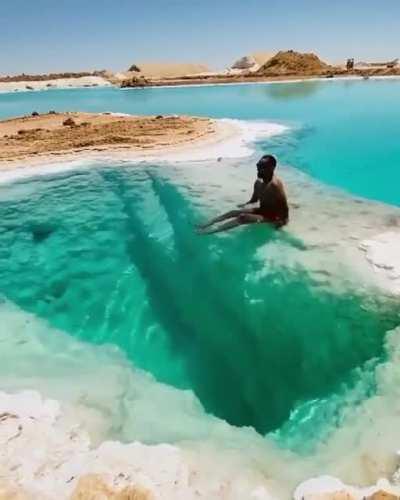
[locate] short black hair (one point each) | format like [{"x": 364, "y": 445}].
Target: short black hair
[{"x": 267, "y": 161}]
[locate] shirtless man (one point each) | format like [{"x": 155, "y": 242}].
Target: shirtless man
[{"x": 268, "y": 191}]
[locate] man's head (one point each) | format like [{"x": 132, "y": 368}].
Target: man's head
[{"x": 265, "y": 167}]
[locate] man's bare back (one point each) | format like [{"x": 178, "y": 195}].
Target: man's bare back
[
  {"x": 268, "y": 191},
  {"x": 272, "y": 198}
]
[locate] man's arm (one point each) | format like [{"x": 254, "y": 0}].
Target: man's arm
[{"x": 254, "y": 197}]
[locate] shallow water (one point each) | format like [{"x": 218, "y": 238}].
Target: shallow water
[{"x": 344, "y": 133}]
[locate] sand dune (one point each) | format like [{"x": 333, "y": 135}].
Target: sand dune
[
  {"x": 170, "y": 69},
  {"x": 262, "y": 57}
]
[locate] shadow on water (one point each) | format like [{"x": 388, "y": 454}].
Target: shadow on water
[
  {"x": 285, "y": 91},
  {"x": 252, "y": 348}
]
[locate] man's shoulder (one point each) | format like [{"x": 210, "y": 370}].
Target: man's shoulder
[{"x": 277, "y": 182}]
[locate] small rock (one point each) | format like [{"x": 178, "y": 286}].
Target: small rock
[
  {"x": 35, "y": 113},
  {"x": 158, "y": 117},
  {"x": 69, "y": 122},
  {"x": 134, "y": 67},
  {"x": 28, "y": 87},
  {"x": 52, "y": 112}
]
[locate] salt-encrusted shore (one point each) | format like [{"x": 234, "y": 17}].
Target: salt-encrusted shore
[
  {"x": 46, "y": 455},
  {"x": 59, "y": 83}
]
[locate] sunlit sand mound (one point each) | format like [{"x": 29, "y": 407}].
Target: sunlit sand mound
[
  {"x": 293, "y": 63},
  {"x": 262, "y": 57}
]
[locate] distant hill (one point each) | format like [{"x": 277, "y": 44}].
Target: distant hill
[{"x": 293, "y": 63}]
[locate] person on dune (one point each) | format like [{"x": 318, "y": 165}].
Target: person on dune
[{"x": 268, "y": 192}]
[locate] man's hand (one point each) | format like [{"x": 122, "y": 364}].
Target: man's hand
[{"x": 247, "y": 204}]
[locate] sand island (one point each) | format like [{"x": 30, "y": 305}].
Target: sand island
[{"x": 56, "y": 134}]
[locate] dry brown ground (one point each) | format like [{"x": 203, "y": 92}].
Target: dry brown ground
[{"x": 46, "y": 134}]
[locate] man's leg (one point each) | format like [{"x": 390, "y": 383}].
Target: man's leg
[
  {"x": 228, "y": 215},
  {"x": 243, "y": 218}
]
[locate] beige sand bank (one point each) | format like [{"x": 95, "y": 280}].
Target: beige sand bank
[{"x": 60, "y": 133}]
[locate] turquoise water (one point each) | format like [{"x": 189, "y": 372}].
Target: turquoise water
[
  {"x": 109, "y": 255},
  {"x": 346, "y": 132}
]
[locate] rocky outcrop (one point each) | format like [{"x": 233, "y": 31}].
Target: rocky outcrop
[
  {"x": 294, "y": 63},
  {"x": 134, "y": 68},
  {"x": 134, "y": 81},
  {"x": 246, "y": 62}
]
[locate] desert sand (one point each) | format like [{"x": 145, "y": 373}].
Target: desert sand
[
  {"x": 162, "y": 70},
  {"x": 59, "y": 133}
]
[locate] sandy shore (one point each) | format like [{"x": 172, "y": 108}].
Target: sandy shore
[
  {"x": 65, "y": 134},
  {"x": 59, "y": 83},
  {"x": 189, "y": 80}
]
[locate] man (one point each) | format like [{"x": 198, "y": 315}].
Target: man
[{"x": 268, "y": 192}]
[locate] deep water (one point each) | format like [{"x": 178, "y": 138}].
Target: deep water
[{"x": 110, "y": 255}]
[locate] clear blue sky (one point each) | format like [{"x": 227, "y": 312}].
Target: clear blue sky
[{"x": 54, "y": 35}]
